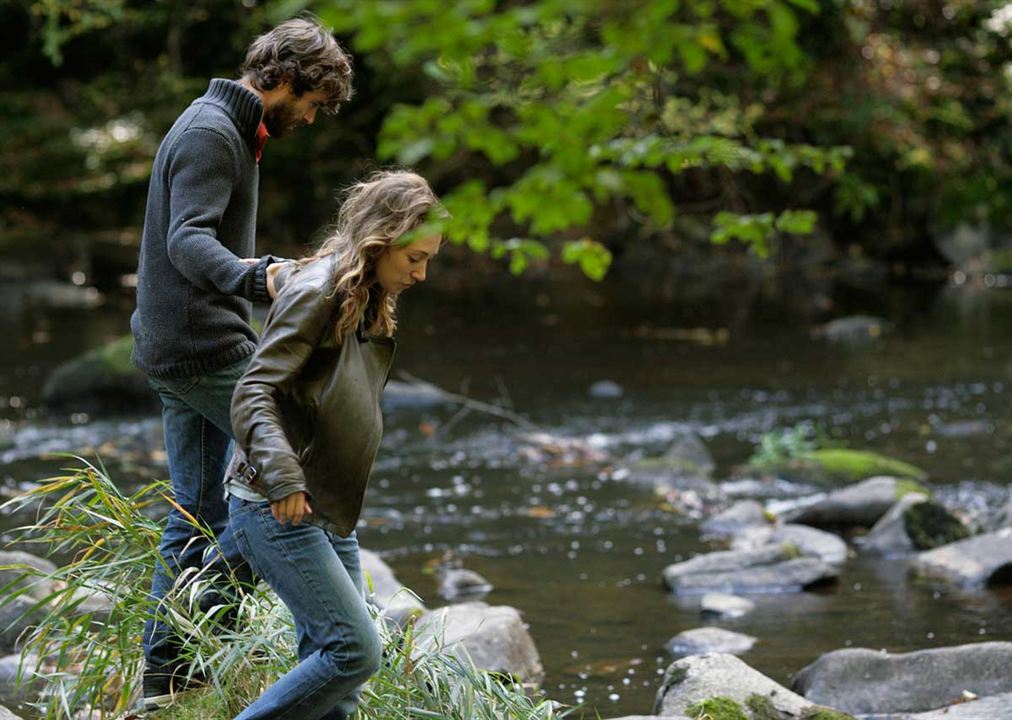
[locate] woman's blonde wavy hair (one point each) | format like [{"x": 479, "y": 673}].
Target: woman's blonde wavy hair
[{"x": 376, "y": 214}]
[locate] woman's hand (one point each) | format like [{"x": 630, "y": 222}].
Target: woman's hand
[{"x": 291, "y": 508}]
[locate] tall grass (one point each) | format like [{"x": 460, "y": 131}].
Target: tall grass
[{"x": 91, "y": 659}]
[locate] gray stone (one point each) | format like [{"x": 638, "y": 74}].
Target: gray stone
[
  {"x": 605, "y": 389},
  {"x": 859, "y": 680},
  {"x": 693, "y": 679},
  {"x": 773, "y": 568},
  {"x": 11, "y": 691},
  {"x": 992, "y": 707},
  {"x": 388, "y": 593},
  {"x": 861, "y": 504},
  {"x": 495, "y": 638},
  {"x": 709, "y": 640},
  {"x": 19, "y": 569},
  {"x": 727, "y": 606},
  {"x": 740, "y": 517},
  {"x": 457, "y": 583},
  {"x": 808, "y": 541},
  {"x": 686, "y": 464},
  {"x": 974, "y": 562},
  {"x": 17, "y": 616},
  {"x": 6, "y": 714},
  {"x": 855, "y": 328}
]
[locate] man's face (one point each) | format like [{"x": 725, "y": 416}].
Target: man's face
[{"x": 286, "y": 112}]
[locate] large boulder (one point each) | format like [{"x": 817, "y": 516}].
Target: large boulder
[
  {"x": 695, "y": 679},
  {"x": 858, "y": 505},
  {"x": 859, "y": 680},
  {"x": 773, "y": 568},
  {"x": 914, "y": 523},
  {"x": 700, "y": 641},
  {"x": 808, "y": 541},
  {"x": 388, "y": 593},
  {"x": 495, "y": 638},
  {"x": 974, "y": 562}
]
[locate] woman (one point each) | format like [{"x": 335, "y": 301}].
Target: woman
[{"x": 307, "y": 425}]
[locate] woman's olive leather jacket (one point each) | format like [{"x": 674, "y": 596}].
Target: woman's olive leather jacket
[{"x": 306, "y": 413}]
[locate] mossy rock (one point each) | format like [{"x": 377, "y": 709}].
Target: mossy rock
[
  {"x": 100, "y": 379},
  {"x": 826, "y": 714},
  {"x": 717, "y": 708},
  {"x": 762, "y": 708},
  {"x": 930, "y": 525},
  {"x": 856, "y": 465},
  {"x": 905, "y": 486}
]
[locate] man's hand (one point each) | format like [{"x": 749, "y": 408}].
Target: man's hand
[{"x": 291, "y": 508}]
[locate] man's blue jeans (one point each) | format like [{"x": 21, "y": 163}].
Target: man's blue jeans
[
  {"x": 318, "y": 575},
  {"x": 198, "y": 442}
]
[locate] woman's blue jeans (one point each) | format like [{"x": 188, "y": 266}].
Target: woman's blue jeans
[
  {"x": 318, "y": 575},
  {"x": 198, "y": 442}
]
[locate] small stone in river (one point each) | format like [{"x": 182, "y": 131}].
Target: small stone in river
[
  {"x": 709, "y": 640},
  {"x": 729, "y": 606},
  {"x": 606, "y": 389}
]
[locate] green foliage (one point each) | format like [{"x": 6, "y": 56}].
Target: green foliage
[
  {"x": 89, "y": 660},
  {"x": 930, "y": 525},
  {"x": 567, "y": 109},
  {"x": 826, "y": 714},
  {"x": 860, "y": 464},
  {"x": 782, "y": 445},
  {"x": 717, "y": 708},
  {"x": 762, "y": 708}
]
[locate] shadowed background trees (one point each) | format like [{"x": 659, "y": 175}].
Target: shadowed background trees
[{"x": 572, "y": 131}]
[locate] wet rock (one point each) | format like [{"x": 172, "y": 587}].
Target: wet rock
[
  {"x": 974, "y": 562},
  {"x": 100, "y": 380},
  {"x": 738, "y": 518},
  {"x": 774, "y": 568},
  {"x": 808, "y": 541},
  {"x": 399, "y": 394},
  {"x": 457, "y": 583},
  {"x": 914, "y": 523},
  {"x": 709, "y": 640},
  {"x": 860, "y": 680},
  {"x": 853, "y": 329},
  {"x": 697, "y": 678},
  {"x": 992, "y": 707},
  {"x": 859, "y": 505},
  {"x": 6, "y": 714},
  {"x": 495, "y": 637},
  {"x": 605, "y": 389},
  {"x": 28, "y": 689},
  {"x": 726, "y": 606},
  {"x": 22, "y": 570},
  {"x": 686, "y": 464},
  {"x": 388, "y": 593}
]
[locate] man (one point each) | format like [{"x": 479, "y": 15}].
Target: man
[{"x": 196, "y": 281}]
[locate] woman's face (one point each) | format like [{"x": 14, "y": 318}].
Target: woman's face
[{"x": 400, "y": 267}]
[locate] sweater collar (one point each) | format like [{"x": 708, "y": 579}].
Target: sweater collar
[{"x": 244, "y": 107}]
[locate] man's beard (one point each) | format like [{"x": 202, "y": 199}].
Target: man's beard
[{"x": 280, "y": 119}]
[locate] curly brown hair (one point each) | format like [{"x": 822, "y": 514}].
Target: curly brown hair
[{"x": 304, "y": 54}]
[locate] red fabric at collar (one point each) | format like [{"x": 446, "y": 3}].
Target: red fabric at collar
[{"x": 262, "y": 136}]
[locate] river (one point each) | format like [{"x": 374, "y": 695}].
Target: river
[{"x": 578, "y": 552}]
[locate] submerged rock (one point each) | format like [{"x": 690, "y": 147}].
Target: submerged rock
[
  {"x": 774, "y": 568},
  {"x": 457, "y": 583},
  {"x": 102, "y": 379},
  {"x": 686, "y": 463},
  {"x": 858, "y": 505},
  {"x": 914, "y": 523},
  {"x": 695, "y": 679},
  {"x": 709, "y": 640},
  {"x": 723, "y": 605},
  {"x": 388, "y": 593},
  {"x": 605, "y": 389},
  {"x": 495, "y": 638},
  {"x": 992, "y": 707},
  {"x": 860, "y": 680},
  {"x": 853, "y": 329},
  {"x": 974, "y": 562}
]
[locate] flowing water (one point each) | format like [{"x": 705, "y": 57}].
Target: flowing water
[{"x": 577, "y": 551}]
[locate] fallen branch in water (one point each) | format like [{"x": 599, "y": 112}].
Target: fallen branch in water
[{"x": 471, "y": 404}]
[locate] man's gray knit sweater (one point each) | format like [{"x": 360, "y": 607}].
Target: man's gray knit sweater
[{"x": 193, "y": 292}]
